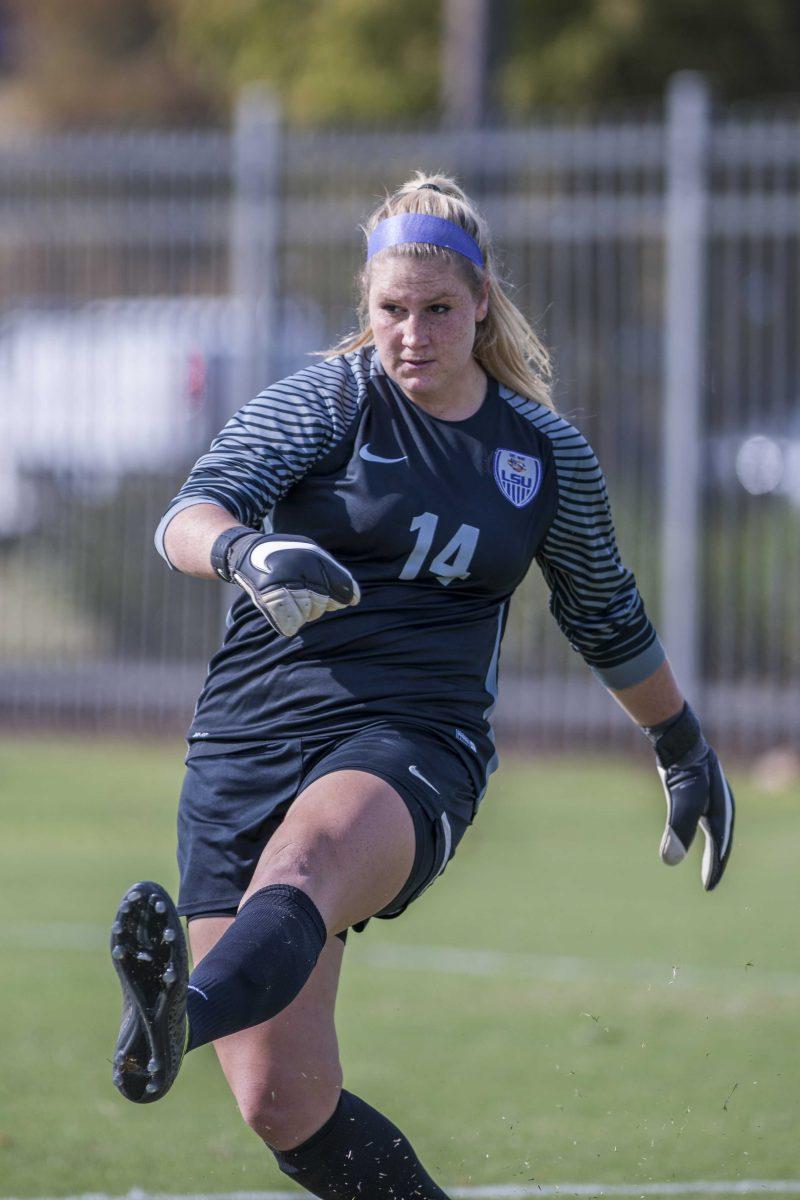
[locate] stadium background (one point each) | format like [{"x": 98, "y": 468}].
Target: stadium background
[{"x": 180, "y": 192}]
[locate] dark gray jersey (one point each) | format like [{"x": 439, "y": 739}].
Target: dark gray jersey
[{"x": 439, "y": 522}]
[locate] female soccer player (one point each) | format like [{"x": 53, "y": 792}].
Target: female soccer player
[{"x": 377, "y": 511}]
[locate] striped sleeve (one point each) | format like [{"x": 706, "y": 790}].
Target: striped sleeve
[
  {"x": 269, "y": 444},
  {"x": 593, "y": 595}
]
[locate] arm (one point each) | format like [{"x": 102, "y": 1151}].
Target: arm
[
  {"x": 657, "y": 698},
  {"x": 265, "y": 448},
  {"x": 190, "y": 535},
  {"x": 212, "y": 529},
  {"x": 597, "y": 605}
]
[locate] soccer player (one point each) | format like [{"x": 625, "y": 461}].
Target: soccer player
[{"x": 377, "y": 511}]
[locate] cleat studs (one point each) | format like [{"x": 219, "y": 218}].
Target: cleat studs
[
  {"x": 133, "y": 896},
  {"x": 143, "y": 956},
  {"x": 151, "y": 1088},
  {"x": 117, "y": 928},
  {"x": 153, "y": 1066},
  {"x": 118, "y": 952},
  {"x": 125, "y": 907},
  {"x": 160, "y": 906},
  {"x": 169, "y": 935},
  {"x": 169, "y": 975}
]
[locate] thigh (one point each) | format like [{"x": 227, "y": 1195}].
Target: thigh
[
  {"x": 433, "y": 778},
  {"x": 285, "y": 1074},
  {"x": 348, "y": 841}
]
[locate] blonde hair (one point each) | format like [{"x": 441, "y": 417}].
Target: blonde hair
[{"x": 505, "y": 344}]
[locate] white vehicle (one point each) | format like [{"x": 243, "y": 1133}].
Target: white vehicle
[{"x": 115, "y": 386}]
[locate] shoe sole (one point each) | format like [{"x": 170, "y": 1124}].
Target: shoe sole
[{"x": 148, "y": 949}]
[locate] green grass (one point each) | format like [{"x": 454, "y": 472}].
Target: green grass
[{"x": 625, "y": 1074}]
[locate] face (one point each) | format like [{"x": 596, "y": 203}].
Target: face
[{"x": 423, "y": 316}]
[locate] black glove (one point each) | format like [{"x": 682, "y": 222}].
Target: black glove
[
  {"x": 697, "y": 793},
  {"x": 290, "y": 579}
]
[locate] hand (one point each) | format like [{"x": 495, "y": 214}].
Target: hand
[
  {"x": 290, "y": 579},
  {"x": 697, "y": 793}
]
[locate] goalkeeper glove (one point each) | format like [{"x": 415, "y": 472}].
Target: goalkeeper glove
[
  {"x": 697, "y": 793},
  {"x": 289, "y": 578}
]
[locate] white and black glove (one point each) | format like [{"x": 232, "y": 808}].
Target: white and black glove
[
  {"x": 290, "y": 579},
  {"x": 697, "y": 793}
]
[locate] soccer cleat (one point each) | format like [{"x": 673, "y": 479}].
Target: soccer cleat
[{"x": 148, "y": 949}]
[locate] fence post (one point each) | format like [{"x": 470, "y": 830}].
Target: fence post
[
  {"x": 255, "y": 232},
  {"x": 466, "y": 50},
  {"x": 687, "y": 130},
  {"x": 254, "y": 246}
]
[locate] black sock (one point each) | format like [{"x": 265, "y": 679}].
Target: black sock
[
  {"x": 358, "y": 1153},
  {"x": 258, "y": 966}
]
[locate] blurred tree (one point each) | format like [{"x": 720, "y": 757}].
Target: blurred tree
[
  {"x": 181, "y": 61},
  {"x": 329, "y": 60},
  {"x": 92, "y": 62},
  {"x": 575, "y": 52},
  {"x": 334, "y": 60}
]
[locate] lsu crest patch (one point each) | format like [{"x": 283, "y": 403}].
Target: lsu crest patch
[{"x": 519, "y": 476}]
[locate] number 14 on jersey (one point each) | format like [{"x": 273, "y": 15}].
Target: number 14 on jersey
[{"x": 452, "y": 562}]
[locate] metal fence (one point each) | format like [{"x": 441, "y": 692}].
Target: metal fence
[{"x": 150, "y": 283}]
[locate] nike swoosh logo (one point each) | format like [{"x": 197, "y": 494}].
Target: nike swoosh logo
[
  {"x": 260, "y": 554},
  {"x": 368, "y": 456},
  {"x": 418, "y": 775}
]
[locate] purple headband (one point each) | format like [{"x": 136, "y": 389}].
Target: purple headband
[{"x": 419, "y": 227}]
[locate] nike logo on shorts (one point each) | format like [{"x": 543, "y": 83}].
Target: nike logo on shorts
[
  {"x": 368, "y": 456},
  {"x": 418, "y": 775}
]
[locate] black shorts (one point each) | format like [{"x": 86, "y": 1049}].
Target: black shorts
[{"x": 234, "y": 798}]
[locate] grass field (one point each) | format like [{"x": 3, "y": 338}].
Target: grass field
[{"x": 626, "y": 1027}]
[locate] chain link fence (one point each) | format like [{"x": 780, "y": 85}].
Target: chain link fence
[{"x": 150, "y": 283}]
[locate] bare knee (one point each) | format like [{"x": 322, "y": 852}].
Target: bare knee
[
  {"x": 299, "y": 861},
  {"x": 285, "y": 1110}
]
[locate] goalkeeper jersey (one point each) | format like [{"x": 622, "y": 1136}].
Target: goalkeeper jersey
[{"x": 438, "y": 521}]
